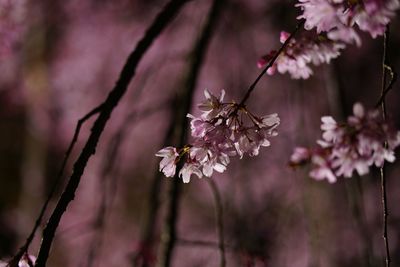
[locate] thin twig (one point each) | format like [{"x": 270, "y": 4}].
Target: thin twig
[
  {"x": 109, "y": 164},
  {"x": 220, "y": 221},
  {"x": 382, "y": 170},
  {"x": 115, "y": 95},
  {"x": 24, "y": 249},
  {"x": 393, "y": 79},
  {"x": 108, "y": 186},
  {"x": 196, "y": 59},
  {"x": 270, "y": 63},
  {"x": 354, "y": 187},
  {"x": 202, "y": 243}
]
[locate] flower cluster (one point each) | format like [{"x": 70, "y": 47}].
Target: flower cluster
[
  {"x": 298, "y": 54},
  {"x": 365, "y": 140},
  {"x": 338, "y": 17},
  {"x": 331, "y": 25},
  {"x": 222, "y": 131}
]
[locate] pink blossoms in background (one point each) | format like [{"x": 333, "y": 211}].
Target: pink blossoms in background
[
  {"x": 331, "y": 25},
  {"x": 12, "y": 23},
  {"x": 222, "y": 131},
  {"x": 338, "y": 17},
  {"x": 365, "y": 140}
]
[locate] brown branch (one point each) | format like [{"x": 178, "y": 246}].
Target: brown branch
[
  {"x": 108, "y": 167},
  {"x": 220, "y": 221},
  {"x": 128, "y": 71},
  {"x": 270, "y": 63},
  {"x": 24, "y": 249},
  {"x": 382, "y": 170},
  {"x": 354, "y": 187},
  {"x": 180, "y": 134},
  {"x": 202, "y": 243},
  {"x": 393, "y": 79}
]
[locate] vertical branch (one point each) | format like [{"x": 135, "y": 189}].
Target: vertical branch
[
  {"x": 354, "y": 187},
  {"x": 24, "y": 249},
  {"x": 168, "y": 238},
  {"x": 112, "y": 100},
  {"x": 220, "y": 221},
  {"x": 270, "y": 63},
  {"x": 108, "y": 185},
  {"x": 382, "y": 170}
]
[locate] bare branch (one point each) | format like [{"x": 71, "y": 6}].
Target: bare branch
[
  {"x": 115, "y": 95},
  {"x": 180, "y": 132},
  {"x": 270, "y": 63},
  {"x": 384, "y": 90},
  {"x": 24, "y": 249},
  {"x": 220, "y": 221}
]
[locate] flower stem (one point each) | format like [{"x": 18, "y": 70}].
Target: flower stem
[
  {"x": 195, "y": 62},
  {"x": 112, "y": 100},
  {"x": 219, "y": 220},
  {"x": 270, "y": 63},
  {"x": 382, "y": 170}
]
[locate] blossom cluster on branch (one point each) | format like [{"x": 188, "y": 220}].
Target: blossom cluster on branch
[
  {"x": 332, "y": 26},
  {"x": 299, "y": 53},
  {"x": 222, "y": 131},
  {"x": 366, "y": 139}
]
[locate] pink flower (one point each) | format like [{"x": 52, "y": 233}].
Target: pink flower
[
  {"x": 322, "y": 169},
  {"x": 300, "y": 53},
  {"x": 212, "y": 106},
  {"x": 351, "y": 147},
  {"x": 188, "y": 169},
  {"x": 331, "y": 131},
  {"x": 338, "y": 17},
  {"x": 343, "y": 35},
  {"x": 223, "y": 130},
  {"x": 300, "y": 156},
  {"x": 168, "y": 163},
  {"x": 199, "y": 126},
  {"x": 374, "y": 15},
  {"x": 323, "y": 15}
]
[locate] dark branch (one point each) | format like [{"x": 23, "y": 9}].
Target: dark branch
[
  {"x": 108, "y": 185},
  {"x": 220, "y": 221},
  {"x": 393, "y": 79},
  {"x": 384, "y": 90},
  {"x": 128, "y": 71},
  {"x": 180, "y": 133},
  {"x": 24, "y": 249},
  {"x": 270, "y": 63}
]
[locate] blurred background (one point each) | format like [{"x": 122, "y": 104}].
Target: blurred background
[{"x": 59, "y": 60}]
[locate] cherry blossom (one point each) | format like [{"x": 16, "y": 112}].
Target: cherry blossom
[
  {"x": 300, "y": 53},
  {"x": 223, "y": 130},
  {"x": 167, "y": 164},
  {"x": 331, "y": 25},
  {"x": 365, "y": 140},
  {"x": 370, "y": 16}
]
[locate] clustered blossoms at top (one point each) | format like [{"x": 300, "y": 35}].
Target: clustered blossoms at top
[
  {"x": 332, "y": 25},
  {"x": 365, "y": 140},
  {"x": 222, "y": 131},
  {"x": 338, "y": 17},
  {"x": 310, "y": 48}
]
